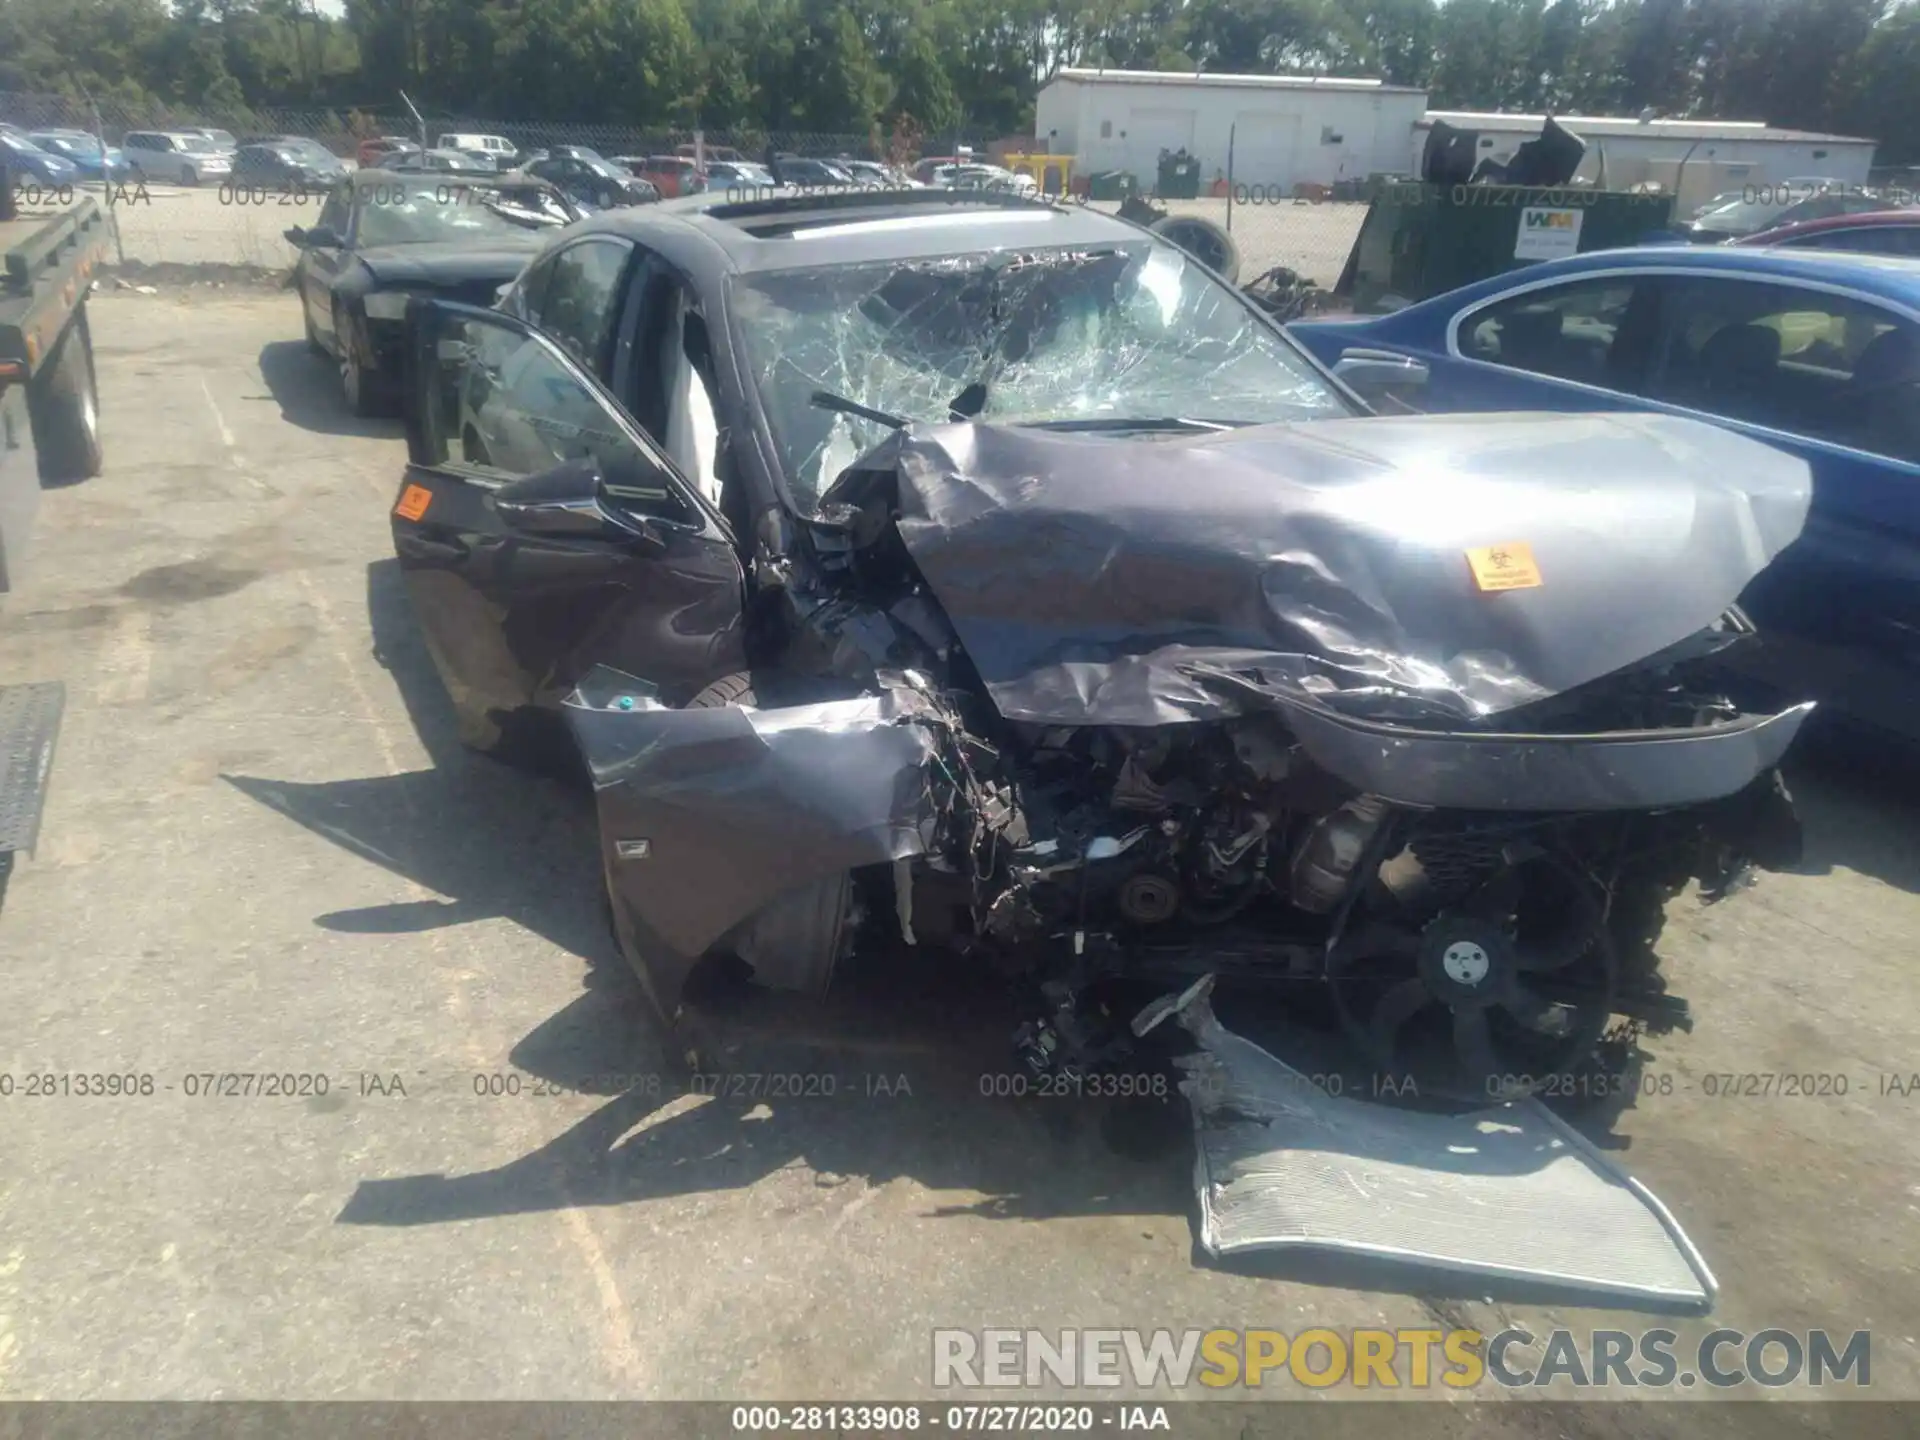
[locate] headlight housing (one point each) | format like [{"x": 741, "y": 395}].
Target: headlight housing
[{"x": 386, "y": 305}]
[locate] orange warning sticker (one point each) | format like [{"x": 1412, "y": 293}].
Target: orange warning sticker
[
  {"x": 415, "y": 499},
  {"x": 1504, "y": 567}
]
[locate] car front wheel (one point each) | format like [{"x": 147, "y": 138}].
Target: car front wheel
[{"x": 358, "y": 385}]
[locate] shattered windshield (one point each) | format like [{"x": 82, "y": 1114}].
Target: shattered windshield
[{"x": 1126, "y": 332}]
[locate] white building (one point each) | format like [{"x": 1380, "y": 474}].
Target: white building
[
  {"x": 1283, "y": 129},
  {"x": 1698, "y": 158}
]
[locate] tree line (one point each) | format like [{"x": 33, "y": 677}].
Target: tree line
[{"x": 848, "y": 66}]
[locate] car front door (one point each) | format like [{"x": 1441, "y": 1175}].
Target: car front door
[
  {"x": 1835, "y": 379},
  {"x": 322, "y": 259},
  {"x": 1579, "y": 344},
  {"x": 541, "y": 533}
]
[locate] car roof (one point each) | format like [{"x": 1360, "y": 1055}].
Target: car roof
[
  {"x": 1887, "y": 277},
  {"x": 851, "y": 227},
  {"x": 1868, "y": 218},
  {"x": 370, "y": 177}
]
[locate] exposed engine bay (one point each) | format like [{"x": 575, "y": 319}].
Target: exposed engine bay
[{"x": 1272, "y": 726}]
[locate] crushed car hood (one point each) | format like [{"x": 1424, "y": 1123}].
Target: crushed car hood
[
  {"x": 1441, "y": 568},
  {"x": 445, "y": 262}
]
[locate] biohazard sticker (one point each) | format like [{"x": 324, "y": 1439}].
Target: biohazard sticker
[
  {"x": 1504, "y": 567},
  {"x": 415, "y": 499}
]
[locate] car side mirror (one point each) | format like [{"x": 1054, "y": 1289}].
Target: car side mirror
[
  {"x": 296, "y": 236},
  {"x": 1373, "y": 371},
  {"x": 574, "y": 500},
  {"x": 321, "y": 237}
]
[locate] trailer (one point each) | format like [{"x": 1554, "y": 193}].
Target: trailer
[{"x": 49, "y": 435}]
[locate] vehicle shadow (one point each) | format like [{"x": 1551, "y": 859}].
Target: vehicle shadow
[
  {"x": 1859, "y": 804},
  {"x": 494, "y": 841},
  {"x": 306, "y": 387},
  {"x": 906, "y": 1071}
]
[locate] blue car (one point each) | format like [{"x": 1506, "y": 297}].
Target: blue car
[
  {"x": 1816, "y": 353},
  {"x": 84, "y": 152},
  {"x": 30, "y": 164}
]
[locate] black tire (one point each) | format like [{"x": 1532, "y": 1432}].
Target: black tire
[
  {"x": 1205, "y": 241},
  {"x": 64, "y": 405},
  {"x": 188, "y": 177},
  {"x": 735, "y": 689},
  {"x": 362, "y": 394}
]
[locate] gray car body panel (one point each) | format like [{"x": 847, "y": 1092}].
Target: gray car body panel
[
  {"x": 708, "y": 816},
  {"x": 1095, "y": 581}
]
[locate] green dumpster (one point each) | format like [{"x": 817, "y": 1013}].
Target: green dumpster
[
  {"x": 1421, "y": 239},
  {"x": 1111, "y": 185},
  {"x": 1179, "y": 176}
]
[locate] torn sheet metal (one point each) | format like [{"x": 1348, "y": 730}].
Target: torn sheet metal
[
  {"x": 1511, "y": 1191},
  {"x": 1095, "y": 580},
  {"x": 707, "y": 816}
]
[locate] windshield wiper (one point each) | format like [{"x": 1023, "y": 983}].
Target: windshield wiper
[
  {"x": 827, "y": 400},
  {"x": 1125, "y": 422}
]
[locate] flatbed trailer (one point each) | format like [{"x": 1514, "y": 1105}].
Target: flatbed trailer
[{"x": 49, "y": 435}]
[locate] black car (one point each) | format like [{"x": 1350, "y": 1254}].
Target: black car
[
  {"x": 412, "y": 160},
  {"x": 591, "y": 179},
  {"x": 286, "y": 168},
  {"x": 806, "y": 171},
  {"x": 290, "y": 158},
  {"x": 941, "y": 569},
  {"x": 382, "y": 237}
]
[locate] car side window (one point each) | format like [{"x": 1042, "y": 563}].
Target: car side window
[
  {"x": 502, "y": 407},
  {"x": 523, "y": 297},
  {"x": 335, "y": 214},
  {"x": 581, "y": 299},
  {"x": 1866, "y": 240},
  {"x": 1825, "y": 366},
  {"x": 1596, "y": 332}
]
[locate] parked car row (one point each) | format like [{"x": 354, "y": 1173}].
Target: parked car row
[
  {"x": 64, "y": 156},
  {"x": 203, "y": 156}
]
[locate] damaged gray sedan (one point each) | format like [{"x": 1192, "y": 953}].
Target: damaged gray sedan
[{"x": 929, "y": 570}]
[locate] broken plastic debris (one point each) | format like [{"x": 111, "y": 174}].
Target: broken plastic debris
[{"x": 1508, "y": 1192}]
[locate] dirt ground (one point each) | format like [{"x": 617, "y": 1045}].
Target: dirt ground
[{"x": 265, "y": 853}]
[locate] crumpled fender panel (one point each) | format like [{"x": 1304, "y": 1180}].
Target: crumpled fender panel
[
  {"x": 1093, "y": 580},
  {"x": 707, "y": 816}
]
